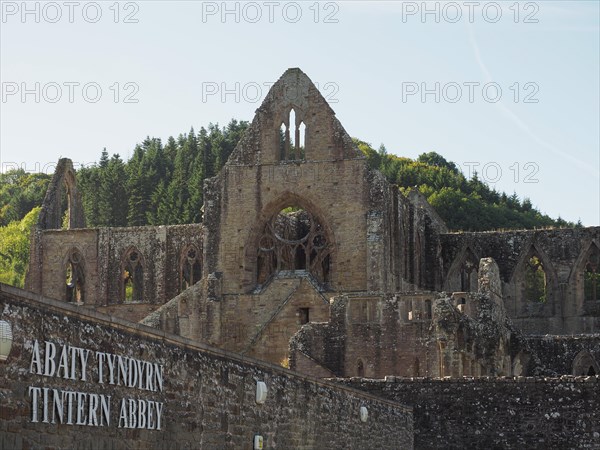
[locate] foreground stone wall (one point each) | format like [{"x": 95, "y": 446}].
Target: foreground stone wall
[
  {"x": 497, "y": 413},
  {"x": 207, "y": 400},
  {"x": 576, "y": 355}
]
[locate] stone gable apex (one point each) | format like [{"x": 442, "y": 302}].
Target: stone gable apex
[{"x": 326, "y": 139}]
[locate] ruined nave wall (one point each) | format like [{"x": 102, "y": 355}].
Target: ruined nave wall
[
  {"x": 563, "y": 253},
  {"x": 101, "y": 257}
]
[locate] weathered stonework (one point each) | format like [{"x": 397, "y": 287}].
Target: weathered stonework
[
  {"x": 208, "y": 395},
  {"x": 265, "y": 271},
  {"x": 497, "y": 413},
  {"x": 307, "y": 257},
  {"x": 564, "y": 254},
  {"x": 103, "y": 252},
  {"x": 416, "y": 335}
]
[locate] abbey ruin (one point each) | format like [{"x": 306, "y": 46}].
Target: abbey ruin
[{"x": 307, "y": 258}]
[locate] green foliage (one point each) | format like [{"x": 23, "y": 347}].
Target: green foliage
[
  {"x": 158, "y": 185},
  {"x": 591, "y": 276},
  {"x": 535, "y": 281},
  {"x": 14, "y": 248},
  {"x": 468, "y": 205},
  {"x": 162, "y": 184},
  {"x": 20, "y": 192},
  {"x": 592, "y": 285}
]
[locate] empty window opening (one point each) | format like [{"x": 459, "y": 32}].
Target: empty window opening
[
  {"x": 591, "y": 276},
  {"x": 293, "y": 131},
  {"x": 292, "y": 137},
  {"x": 591, "y": 372},
  {"x": 133, "y": 277},
  {"x": 417, "y": 368},
  {"x": 535, "y": 281},
  {"x": 468, "y": 273},
  {"x": 191, "y": 268},
  {"x": 301, "y": 139},
  {"x": 293, "y": 240},
  {"x": 65, "y": 210},
  {"x": 74, "y": 278},
  {"x": 284, "y": 139},
  {"x": 304, "y": 315}
]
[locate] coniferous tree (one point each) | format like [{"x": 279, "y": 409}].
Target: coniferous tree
[
  {"x": 88, "y": 180},
  {"x": 114, "y": 192}
]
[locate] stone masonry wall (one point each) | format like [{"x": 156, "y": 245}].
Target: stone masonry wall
[
  {"x": 563, "y": 253},
  {"x": 102, "y": 251},
  {"x": 207, "y": 400},
  {"x": 497, "y": 413},
  {"x": 375, "y": 335},
  {"x": 561, "y": 354}
]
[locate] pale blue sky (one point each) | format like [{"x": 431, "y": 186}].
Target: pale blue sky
[{"x": 374, "y": 52}]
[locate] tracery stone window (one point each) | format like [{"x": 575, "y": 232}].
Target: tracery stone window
[
  {"x": 190, "y": 267},
  {"x": 535, "y": 281},
  {"x": 591, "y": 276},
  {"x": 468, "y": 273},
  {"x": 132, "y": 277},
  {"x": 74, "y": 277},
  {"x": 294, "y": 240},
  {"x": 292, "y": 136}
]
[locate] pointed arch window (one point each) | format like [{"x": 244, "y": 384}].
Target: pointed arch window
[
  {"x": 294, "y": 240},
  {"x": 132, "y": 277},
  {"x": 584, "y": 364},
  {"x": 65, "y": 206},
  {"x": 468, "y": 273},
  {"x": 74, "y": 278},
  {"x": 190, "y": 267},
  {"x": 535, "y": 280},
  {"x": 292, "y": 138},
  {"x": 591, "y": 276}
]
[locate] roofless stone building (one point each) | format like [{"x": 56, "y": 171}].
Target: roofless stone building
[{"x": 307, "y": 257}]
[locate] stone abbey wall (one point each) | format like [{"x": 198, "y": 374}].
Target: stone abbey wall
[
  {"x": 497, "y": 413},
  {"x": 564, "y": 254},
  {"x": 576, "y": 355},
  {"x": 204, "y": 397},
  {"x": 419, "y": 334},
  {"x": 101, "y": 255},
  {"x": 297, "y": 232}
]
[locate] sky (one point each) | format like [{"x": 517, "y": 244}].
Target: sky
[{"x": 509, "y": 89}]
